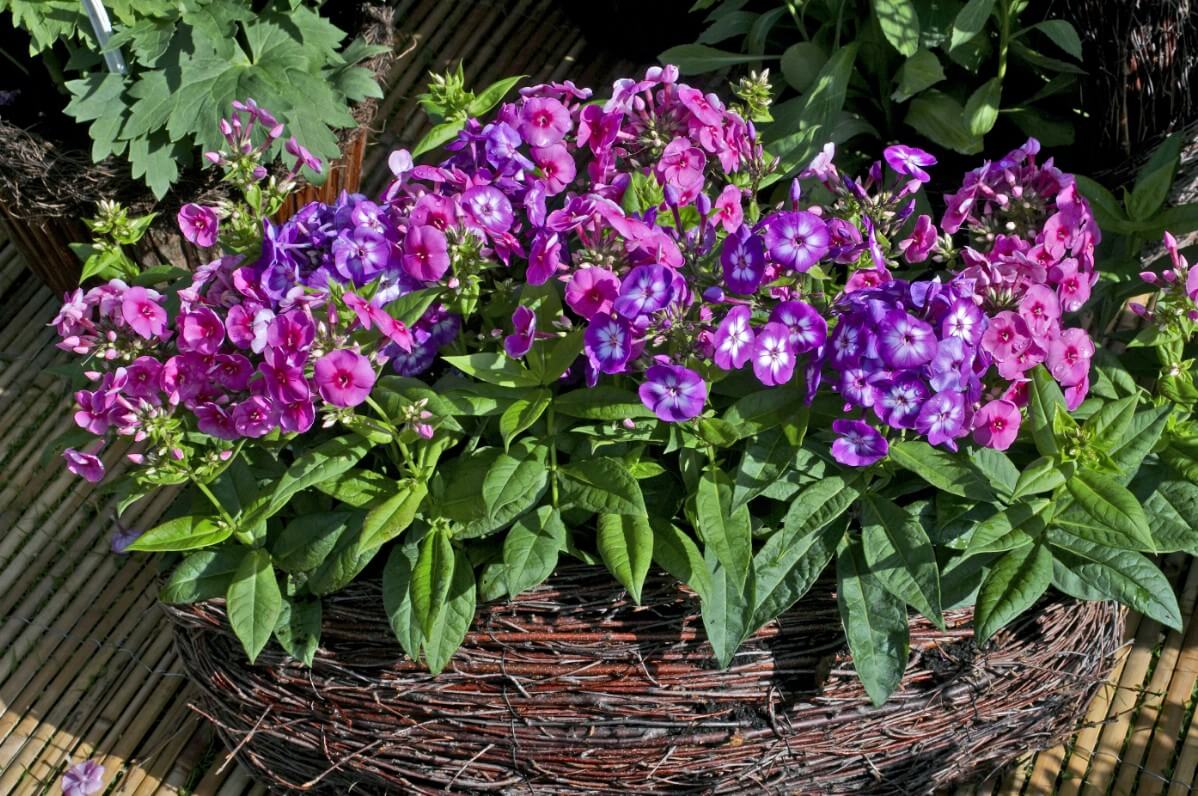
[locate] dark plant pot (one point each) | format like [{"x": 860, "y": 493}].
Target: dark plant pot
[
  {"x": 48, "y": 186},
  {"x": 571, "y": 688}
]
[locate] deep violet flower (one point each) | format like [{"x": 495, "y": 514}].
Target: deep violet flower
[
  {"x": 199, "y": 224},
  {"x": 734, "y": 339},
  {"x": 83, "y": 779},
  {"x": 743, "y": 260},
  {"x": 996, "y": 424},
  {"x": 647, "y": 288},
  {"x": 858, "y": 444},
  {"x": 905, "y": 341},
  {"x": 797, "y": 240},
  {"x": 343, "y": 377},
  {"x": 608, "y": 342},
  {"x": 519, "y": 342},
  {"x": 808, "y": 329},
  {"x": 673, "y": 393}
]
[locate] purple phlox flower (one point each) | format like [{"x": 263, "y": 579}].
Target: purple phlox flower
[
  {"x": 1073, "y": 287},
  {"x": 544, "y": 258},
  {"x": 360, "y": 255},
  {"x": 140, "y": 309},
  {"x": 425, "y": 253},
  {"x": 822, "y": 168},
  {"x": 964, "y": 320},
  {"x": 292, "y": 332},
  {"x": 489, "y": 208},
  {"x": 899, "y": 403},
  {"x": 909, "y": 161},
  {"x": 122, "y": 537},
  {"x": 344, "y": 377},
  {"x": 557, "y": 167},
  {"x": 215, "y": 421},
  {"x": 434, "y": 210},
  {"x": 796, "y": 241},
  {"x": 400, "y": 162},
  {"x": 284, "y": 381},
  {"x": 646, "y": 289},
  {"x": 256, "y": 416},
  {"x": 297, "y": 416},
  {"x": 608, "y": 342},
  {"x": 743, "y": 260},
  {"x": 520, "y": 341},
  {"x": 905, "y": 341},
  {"x": 773, "y": 355},
  {"x": 996, "y": 424},
  {"x": 845, "y": 241},
  {"x": 184, "y": 377},
  {"x": 93, "y": 411},
  {"x": 808, "y": 329},
  {"x": 857, "y": 387},
  {"x": 231, "y": 371},
  {"x": 199, "y": 224},
  {"x": 681, "y": 167},
  {"x": 305, "y": 158},
  {"x": 919, "y": 245},
  {"x": 544, "y": 121},
  {"x": 848, "y": 343},
  {"x": 942, "y": 419},
  {"x": 949, "y": 368},
  {"x": 858, "y": 444},
  {"x": 142, "y": 378},
  {"x": 85, "y": 465},
  {"x": 734, "y": 339},
  {"x": 83, "y": 779},
  {"x": 592, "y": 291},
  {"x": 674, "y": 393},
  {"x": 200, "y": 330}
]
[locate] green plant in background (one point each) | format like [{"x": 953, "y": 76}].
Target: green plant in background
[
  {"x": 951, "y": 71},
  {"x": 188, "y": 60}
]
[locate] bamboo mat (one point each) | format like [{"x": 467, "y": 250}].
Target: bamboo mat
[{"x": 87, "y": 668}]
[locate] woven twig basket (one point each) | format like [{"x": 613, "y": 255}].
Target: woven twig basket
[{"x": 571, "y": 688}]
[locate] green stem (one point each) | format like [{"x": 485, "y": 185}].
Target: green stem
[
  {"x": 216, "y": 503},
  {"x": 550, "y": 432},
  {"x": 1004, "y": 37}
]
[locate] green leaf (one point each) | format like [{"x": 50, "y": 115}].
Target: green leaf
[
  {"x": 325, "y": 461},
  {"x": 1111, "y": 508},
  {"x": 494, "y": 368},
  {"x": 1018, "y": 524},
  {"x": 531, "y": 547},
  {"x": 941, "y": 118},
  {"x": 1108, "y": 426},
  {"x": 437, "y": 137},
  {"x": 970, "y": 21},
  {"x": 431, "y": 578},
  {"x": 725, "y": 531},
  {"x": 356, "y": 487},
  {"x": 254, "y": 602},
  {"x": 801, "y": 63},
  {"x": 676, "y": 552},
  {"x": 513, "y": 484},
  {"x": 899, "y": 23},
  {"x": 454, "y": 618},
  {"x": 981, "y": 109},
  {"x": 875, "y": 623},
  {"x": 1172, "y": 511},
  {"x": 921, "y": 71},
  {"x": 768, "y": 456},
  {"x": 900, "y": 555},
  {"x": 203, "y": 575},
  {"x": 522, "y": 414},
  {"x": 551, "y": 360},
  {"x": 602, "y": 485},
  {"x": 817, "y": 114},
  {"x": 1119, "y": 575},
  {"x": 182, "y": 533},
  {"x": 410, "y": 307},
  {"x": 625, "y": 543},
  {"x": 492, "y": 95},
  {"x": 1044, "y": 396},
  {"x": 765, "y": 409},
  {"x": 727, "y": 610},
  {"x": 1012, "y": 585},
  {"x": 943, "y": 470},
  {"x": 693, "y": 59},
  {"x": 1062, "y": 34},
  {"x": 397, "y": 599},
  {"x": 1141, "y": 437},
  {"x": 601, "y": 403},
  {"x": 298, "y": 628},
  {"x": 393, "y": 516},
  {"x": 1155, "y": 179},
  {"x": 786, "y": 567},
  {"x": 307, "y": 540},
  {"x": 996, "y": 466},
  {"x": 817, "y": 505}
]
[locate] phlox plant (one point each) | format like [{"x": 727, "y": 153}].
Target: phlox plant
[{"x": 580, "y": 335}]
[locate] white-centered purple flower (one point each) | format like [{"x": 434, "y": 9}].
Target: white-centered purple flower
[
  {"x": 489, "y": 208},
  {"x": 965, "y": 320},
  {"x": 734, "y": 339},
  {"x": 797, "y": 240},
  {"x": 942, "y": 419},
  {"x": 674, "y": 393},
  {"x": 743, "y": 259},
  {"x": 905, "y": 341},
  {"x": 773, "y": 355},
  {"x": 858, "y": 444},
  {"x": 899, "y": 403},
  {"x": 646, "y": 289},
  {"x": 83, "y": 779},
  {"x": 608, "y": 342},
  {"x": 808, "y": 329}
]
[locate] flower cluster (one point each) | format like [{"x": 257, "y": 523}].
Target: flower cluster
[
  {"x": 1177, "y": 291},
  {"x": 633, "y": 225}
]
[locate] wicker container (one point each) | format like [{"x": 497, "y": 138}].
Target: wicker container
[
  {"x": 47, "y": 188},
  {"x": 571, "y": 688}
]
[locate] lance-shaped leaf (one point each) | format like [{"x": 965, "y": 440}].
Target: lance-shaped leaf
[
  {"x": 727, "y": 532},
  {"x": 1015, "y": 581},
  {"x": 901, "y": 556},
  {"x": 875, "y": 623},
  {"x": 253, "y": 602}
]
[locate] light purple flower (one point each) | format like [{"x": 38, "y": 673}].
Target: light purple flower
[
  {"x": 942, "y": 418},
  {"x": 360, "y": 255},
  {"x": 964, "y": 320},
  {"x": 949, "y": 369},
  {"x": 673, "y": 393},
  {"x": 519, "y": 342},
  {"x": 797, "y": 240},
  {"x": 734, "y": 339},
  {"x": 905, "y": 341},
  {"x": 808, "y": 329},
  {"x": 199, "y": 224},
  {"x": 488, "y": 207},
  {"x": 83, "y": 779},
  {"x": 743, "y": 259},
  {"x": 773, "y": 355},
  {"x": 608, "y": 341},
  {"x": 858, "y": 444},
  {"x": 646, "y": 289},
  {"x": 85, "y": 465},
  {"x": 909, "y": 161},
  {"x": 343, "y": 377}
]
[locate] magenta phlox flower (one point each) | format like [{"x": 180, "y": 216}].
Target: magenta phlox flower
[
  {"x": 592, "y": 291},
  {"x": 544, "y": 258},
  {"x": 141, "y": 310},
  {"x": 544, "y": 121},
  {"x": 1006, "y": 335},
  {"x": 215, "y": 421},
  {"x": 909, "y": 161},
  {"x": 728, "y": 210},
  {"x": 343, "y": 377},
  {"x": 256, "y": 416},
  {"x": 918, "y": 245},
  {"x": 1069, "y": 357},
  {"x": 557, "y": 167},
  {"x": 524, "y": 321},
  {"x": 201, "y": 331},
  {"x": 996, "y": 424},
  {"x": 425, "y": 253},
  {"x": 198, "y": 224},
  {"x": 88, "y": 466}
]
